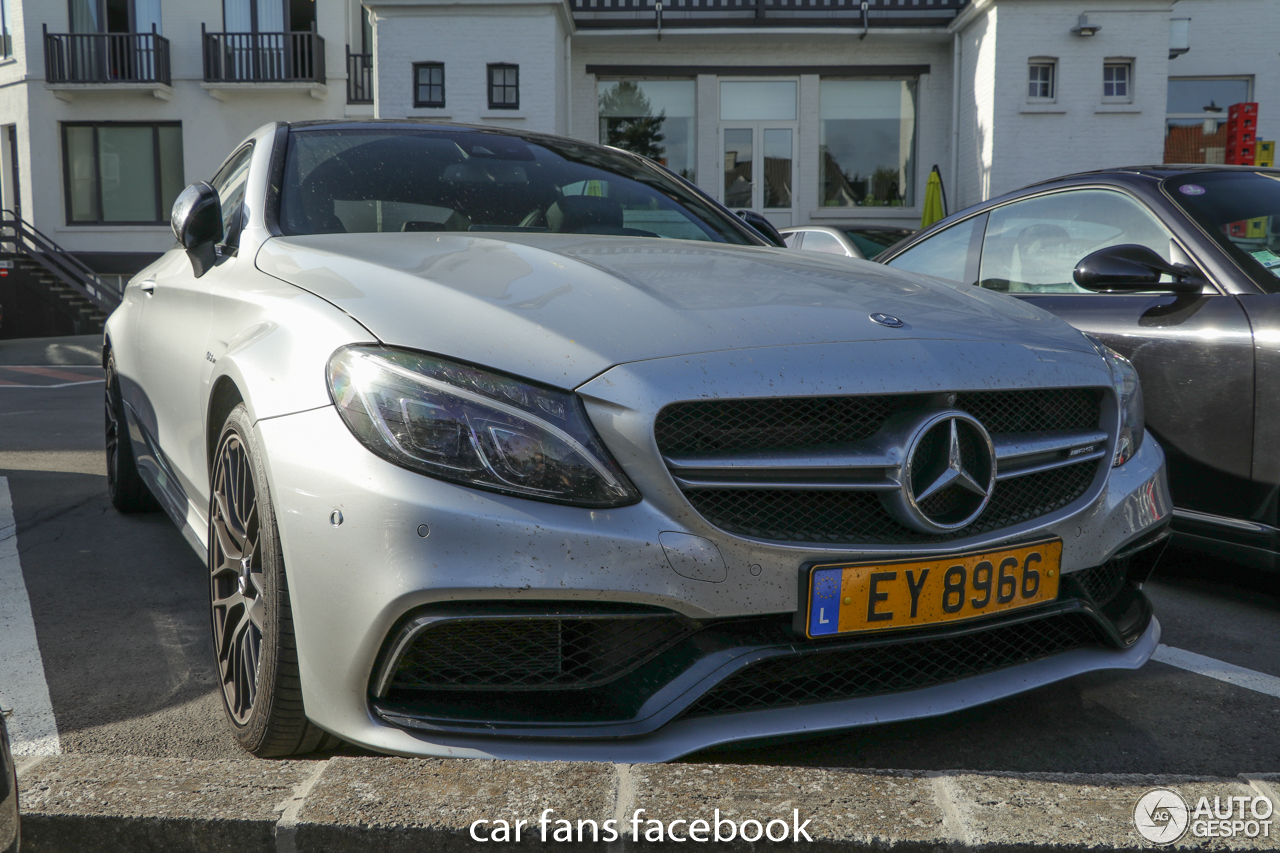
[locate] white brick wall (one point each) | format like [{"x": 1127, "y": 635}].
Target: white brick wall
[
  {"x": 1009, "y": 142},
  {"x": 466, "y": 41},
  {"x": 977, "y": 101}
]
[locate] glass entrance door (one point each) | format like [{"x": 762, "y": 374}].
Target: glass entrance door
[
  {"x": 759, "y": 170},
  {"x": 758, "y": 138}
]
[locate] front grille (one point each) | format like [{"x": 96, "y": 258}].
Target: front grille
[
  {"x": 782, "y": 423},
  {"x": 1043, "y": 410},
  {"x": 840, "y": 517},
  {"x": 849, "y": 517},
  {"x": 806, "y": 423},
  {"x": 848, "y": 673},
  {"x": 531, "y": 654}
]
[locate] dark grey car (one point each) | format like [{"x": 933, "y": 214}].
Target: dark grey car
[{"x": 1201, "y": 321}]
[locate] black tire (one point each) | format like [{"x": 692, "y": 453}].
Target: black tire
[
  {"x": 252, "y": 622},
  {"x": 125, "y": 487}
]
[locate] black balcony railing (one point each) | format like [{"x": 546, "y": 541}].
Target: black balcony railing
[
  {"x": 359, "y": 78},
  {"x": 676, "y": 14},
  {"x": 263, "y": 57},
  {"x": 106, "y": 58}
]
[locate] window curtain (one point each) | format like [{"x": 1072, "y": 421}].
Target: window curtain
[
  {"x": 237, "y": 16},
  {"x": 146, "y": 13},
  {"x": 271, "y": 16},
  {"x": 86, "y": 16}
]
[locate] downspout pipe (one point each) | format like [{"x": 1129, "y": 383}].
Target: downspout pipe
[{"x": 955, "y": 119}]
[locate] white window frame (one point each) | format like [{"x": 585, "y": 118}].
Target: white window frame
[
  {"x": 1118, "y": 62},
  {"x": 1220, "y": 117},
  {"x": 1051, "y": 63}
]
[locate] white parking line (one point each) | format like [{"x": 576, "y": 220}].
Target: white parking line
[
  {"x": 24, "y": 694},
  {"x": 1249, "y": 679}
]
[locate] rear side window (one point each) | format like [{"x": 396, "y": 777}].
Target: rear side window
[
  {"x": 821, "y": 241},
  {"x": 951, "y": 254}
]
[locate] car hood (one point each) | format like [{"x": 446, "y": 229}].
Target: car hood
[{"x": 561, "y": 309}]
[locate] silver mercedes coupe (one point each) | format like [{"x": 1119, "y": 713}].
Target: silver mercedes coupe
[{"x": 503, "y": 444}]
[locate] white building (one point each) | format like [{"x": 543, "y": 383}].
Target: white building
[{"x": 806, "y": 110}]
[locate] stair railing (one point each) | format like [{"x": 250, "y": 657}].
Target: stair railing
[{"x": 21, "y": 237}]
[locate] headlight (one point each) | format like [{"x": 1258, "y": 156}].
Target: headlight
[
  {"x": 1124, "y": 378},
  {"x": 470, "y": 426}
]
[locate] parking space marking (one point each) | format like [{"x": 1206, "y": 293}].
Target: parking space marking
[
  {"x": 24, "y": 693},
  {"x": 1249, "y": 679}
]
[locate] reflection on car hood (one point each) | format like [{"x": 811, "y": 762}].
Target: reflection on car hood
[{"x": 562, "y": 308}]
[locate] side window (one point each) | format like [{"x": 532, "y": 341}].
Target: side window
[
  {"x": 793, "y": 239},
  {"x": 951, "y": 254},
  {"x": 230, "y": 182},
  {"x": 821, "y": 241},
  {"x": 1033, "y": 246}
]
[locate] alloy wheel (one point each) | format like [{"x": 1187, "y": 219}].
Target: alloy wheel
[{"x": 235, "y": 566}]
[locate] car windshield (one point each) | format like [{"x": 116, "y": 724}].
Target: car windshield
[
  {"x": 1241, "y": 211},
  {"x": 350, "y": 180}
]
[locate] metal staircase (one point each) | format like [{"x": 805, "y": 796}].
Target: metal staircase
[{"x": 72, "y": 289}]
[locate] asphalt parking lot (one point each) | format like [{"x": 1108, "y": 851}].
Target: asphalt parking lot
[{"x": 120, "y": 617}]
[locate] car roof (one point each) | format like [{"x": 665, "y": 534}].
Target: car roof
[
  {"x": 429, "y": 124},
  {"x": 1160, "y": 172}
]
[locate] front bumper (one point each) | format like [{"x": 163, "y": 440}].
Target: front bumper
[{"x": 408, "y": 543}]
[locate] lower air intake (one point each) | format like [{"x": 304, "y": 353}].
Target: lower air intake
[
  {"x": 847, "y": 673},
  {"x": 532, "y": 653}
]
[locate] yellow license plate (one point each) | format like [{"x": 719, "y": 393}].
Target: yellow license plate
[{"x": 846, "y": 598}]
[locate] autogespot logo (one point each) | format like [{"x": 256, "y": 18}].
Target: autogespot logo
[{"x": 1162, "y": 817}]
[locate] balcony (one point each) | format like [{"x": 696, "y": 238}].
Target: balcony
[
  {"x": 263, "y": 61},
  {"x": 681, "y": 14},
  {"x": 359, "y": 78},
  {"x": 88, "y": 62}
]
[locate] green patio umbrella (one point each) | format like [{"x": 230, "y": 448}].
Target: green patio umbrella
[{"x": 935, "y": 204}]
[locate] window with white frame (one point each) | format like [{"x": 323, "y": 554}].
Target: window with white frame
[
  {"x": 866, "y": 138},
  {"x": 654, "y": 118},
  {"x": 1196, "y": 117},
  {"x": 1041, "y": 82},
  {"x": 1117, "y": 80}
]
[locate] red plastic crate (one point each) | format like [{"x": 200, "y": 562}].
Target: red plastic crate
[
  {"x": 1239, "y": 155},
  {"x": 1247, "y": 109},
  {"x": 1240, "y": 137}
]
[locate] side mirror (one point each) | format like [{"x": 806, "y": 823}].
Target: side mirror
[
  {"x": 764, "y": 226},
  {"x": 1131, "y": 268},
  {"x": 197, "y": 223}
]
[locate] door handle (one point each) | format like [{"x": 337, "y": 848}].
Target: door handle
[{"x": 149, "y": 286}]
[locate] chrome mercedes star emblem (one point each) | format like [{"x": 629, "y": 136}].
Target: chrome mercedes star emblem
[
  {"x": 887, "y": 320},
  {"x": 954, "y": 473},
  {"x": 948, "y": 476}
]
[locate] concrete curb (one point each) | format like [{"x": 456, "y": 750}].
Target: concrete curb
[{"x": 106, "y": 804}]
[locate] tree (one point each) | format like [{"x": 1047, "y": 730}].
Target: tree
[{"x": 629, "y": 122}]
